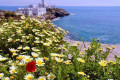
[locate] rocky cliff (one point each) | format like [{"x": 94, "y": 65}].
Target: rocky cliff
[{"x": 53, "y": 13}]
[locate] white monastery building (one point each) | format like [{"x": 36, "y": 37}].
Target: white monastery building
[{"x": 35, "y": 10}]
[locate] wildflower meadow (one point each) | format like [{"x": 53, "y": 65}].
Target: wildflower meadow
[{"x": 35, "y": 50}]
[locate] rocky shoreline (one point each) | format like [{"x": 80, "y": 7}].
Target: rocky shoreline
[{"x": 53, "y": 13}]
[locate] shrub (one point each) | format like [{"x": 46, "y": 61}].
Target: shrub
[
  {"x": 9, "y": 14},
  {"x": 34, "y": 50}
]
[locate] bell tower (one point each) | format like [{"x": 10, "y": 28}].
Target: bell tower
[{"x": 43, "y": 3}]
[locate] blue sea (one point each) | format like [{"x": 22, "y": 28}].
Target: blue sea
[
  {"x": 90, "y": 22},
  {"x": 11, "y": 8}
]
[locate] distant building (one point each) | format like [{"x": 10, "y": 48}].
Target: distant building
[
  {"x": 19, "y": 13},
  {"x": 33, "y": 9},
  {"x": 46, "y": 6}
]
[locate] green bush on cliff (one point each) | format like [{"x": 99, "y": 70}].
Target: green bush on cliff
[
  {"x": 9, "y": 14},
  {"x": 35, "y": 50}
]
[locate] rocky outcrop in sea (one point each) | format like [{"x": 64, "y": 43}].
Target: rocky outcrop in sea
[{"x": 53, "y": 13}]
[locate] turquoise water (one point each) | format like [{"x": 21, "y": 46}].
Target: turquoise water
[
  {"x": 89, "y": 22},
  {"x": 92, "y": 22}
]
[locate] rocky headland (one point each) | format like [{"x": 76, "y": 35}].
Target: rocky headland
[
  {"x": 56, "y": 12},
  {"x": 52, "y": 13}
]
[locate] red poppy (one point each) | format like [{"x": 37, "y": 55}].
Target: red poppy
[{"x": 30, "y": 67}]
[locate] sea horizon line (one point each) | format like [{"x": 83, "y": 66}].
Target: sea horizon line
[{"x": 64, "y": 6}]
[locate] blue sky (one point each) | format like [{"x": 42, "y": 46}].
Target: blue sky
[{"x": 62, "y": 2}]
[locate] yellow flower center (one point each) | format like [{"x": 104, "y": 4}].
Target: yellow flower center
[
  {"x": 14, "y": 71},
  {"x": 22, "y": 64},
  {"x": 45, "y": 58},
  {"x": 19, "y": 31},
  {"x": 80, "y": 60},
  {"x": 14, "y": 54},
  {"x": 0, "y": 75},
  {"x": 13, "y": 51},
  {"x": 5, "y": 79},
  {"x": 51, "y": 77},
  {"x": 11, "y": 77},
  {"x": 67, "y": 63},
  {"x": 10, "y": 40},
  {"x": 103, "y": 64},
  {"x": 3, "y": 59},
  {"x": 29, "y": 77},
  {"x": 59, "y": 60},
  {"x": 82, "y": 52},
  {"x": 20, "y": 57},
  {"x": 53, "y": 58},
  {"x": 37, "y": 41},
  {"x": 28, "y": 60},
  {"x": 46, "y": 44},
  {"x": 19, "y": 47},
  {"x": 39, "y": 62},
  {"x": 54, "y": 55},
  {"x": 41, "y": 79},
  {"x": 82, "y": 73},
  {"x": 61, "y": 55},
  {"x": 27, "y": 48}
]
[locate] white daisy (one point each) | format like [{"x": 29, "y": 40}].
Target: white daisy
[
  {"x": 14, "y": 54},
  {"x": 26, "y": 48},
  {"x": 10, "y": 40},
  {"x": 28, "y": 77},
  {"x": 12, "y": 50},
  {"x": 37, "y": 38},
  {"x": 21, "y": 63},
  {"x": 13, "y": 70},
  {"x": 67, "y": 62},
  {"x": 6, "y": 78},
  {"x": 20, "y": 47},
  {"x": 35, "y": 50},
  {"x": 27, "y": 59},
  {"x": 1, "y": 75},
  {"x": 20, "y": 57},
  {"x": 40, "y": 62},
  {"x": 2, "y": 58},
  {"x": 42, "y": 78},
  {"x": 59, "y": 59},
  {"x": 36, "y": 41},
  {"x": 54, "y": 54},
  {"x": 34, "y": 54},
  {"x": 46, "y": 44},
  {"x": 51, "y": 77}
]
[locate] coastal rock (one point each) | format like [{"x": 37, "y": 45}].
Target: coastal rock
[{"x": 53, "y": 13}]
